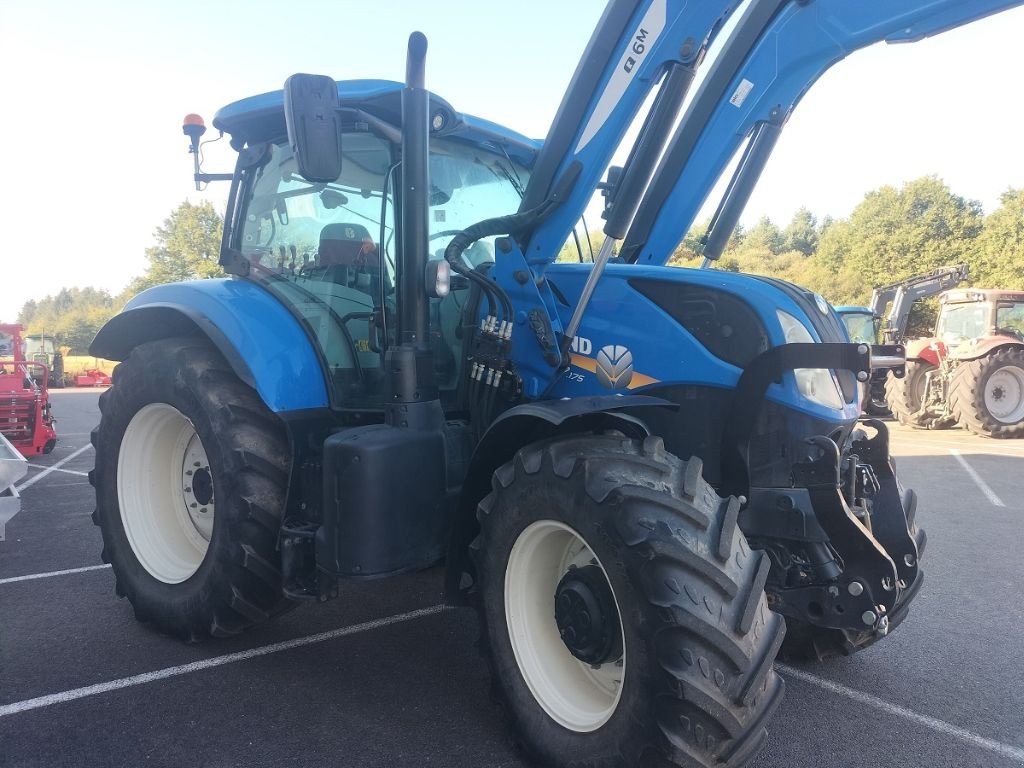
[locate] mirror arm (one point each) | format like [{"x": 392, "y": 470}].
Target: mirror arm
[{"x": 382, "y": 128}]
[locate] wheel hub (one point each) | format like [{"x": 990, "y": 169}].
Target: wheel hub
[
  {"x": 1004, "y": 394},
  {"x": 585, "y": 613},
  {"x": 202, "y": 485}
]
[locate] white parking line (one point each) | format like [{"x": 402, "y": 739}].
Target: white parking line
[
  {"x": 50, "y": 574},
  {"x": 217, "y": 661},
  {"x": 1006, "y": 750},
  {"x": 58, "y": 469},
  {"x": 989, "y": 493},
  {"x": 55, "y": 467}
]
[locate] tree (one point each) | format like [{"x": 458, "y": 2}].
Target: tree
[
  {"x": 71, "y": 317},
  {"x": 998, "y": 255},
  {"x": 801, "y": 234},
  {"x": 894, "y": 233},
  {"x": 764, "y": 235},
  {"x": 188, "y": 247}
]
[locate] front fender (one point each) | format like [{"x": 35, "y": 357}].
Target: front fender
[
  {"x": 920, "y": 349},
  {"x": 261, "y": 340},
  {"x": 519, "y": 426}
]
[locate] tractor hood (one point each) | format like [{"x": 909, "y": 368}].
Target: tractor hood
[{"x": 261, "y": 118}]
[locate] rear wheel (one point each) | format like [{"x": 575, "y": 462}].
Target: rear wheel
[
  {"x": 622, "y": 610},
  {"x": 988, "y": 394},
  {"x": 190, "y": 477},
  {"x": 906, "y": 395}
]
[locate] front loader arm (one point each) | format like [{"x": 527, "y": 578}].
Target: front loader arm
[
  {"x": 633, "y": 45},
  {"x": 765, "y": 80}
]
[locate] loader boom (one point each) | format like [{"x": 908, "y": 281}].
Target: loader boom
[{"x": 903, "y": 294}]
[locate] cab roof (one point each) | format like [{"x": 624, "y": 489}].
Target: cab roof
[
  {"x": 964, "y": 295},
  {"x": 261, "y": 118}
]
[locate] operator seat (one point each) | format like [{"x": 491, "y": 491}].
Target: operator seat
[{"x": 348, "y": 256}]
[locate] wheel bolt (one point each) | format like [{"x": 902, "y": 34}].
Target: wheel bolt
[
  {"x": 869, "y": 618},
  {"x": 855, "y": 588}
]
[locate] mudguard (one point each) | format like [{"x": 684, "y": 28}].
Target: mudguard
[
  {"x": 921, "y": 349},
  {"x": 261, "y": 340},
  {"x": 512, "y": 430},
  {"x": 985, "y": 346}
]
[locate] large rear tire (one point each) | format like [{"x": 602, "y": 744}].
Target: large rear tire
[
  {"x": 622, "y": 611},
  {"x": 988, "y": 394},
  {"x": 905, "y": 395},
  {"x": 190, "y": 478}
]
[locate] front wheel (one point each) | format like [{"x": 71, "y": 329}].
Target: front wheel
[
  {"x": 623, "y": 611},
  {"x": 906, "y": 396},
  {"x": 190, "y": 477}
]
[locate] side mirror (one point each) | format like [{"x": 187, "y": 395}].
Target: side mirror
[{"x": 314, "y": 126}]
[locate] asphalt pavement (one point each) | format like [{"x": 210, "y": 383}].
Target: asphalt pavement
[{"x": 384, "y": 676}]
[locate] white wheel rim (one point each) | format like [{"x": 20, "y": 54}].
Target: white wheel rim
[
  {"x": 576, "y": 695},
  {"x": 1004, "y": 394},
  {"x": 165, "y": 493}
]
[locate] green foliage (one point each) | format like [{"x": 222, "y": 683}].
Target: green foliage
[
  {"x": 188, "y": 247},
  {"x": 72, "y": 316},
  {"x": 896, "y": 233},
  {"x": 802, "y": 233},
  {"x": 998, "y": 254},
  {"x": 892, "y": 234}
]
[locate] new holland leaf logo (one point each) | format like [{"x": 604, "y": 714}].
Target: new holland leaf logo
[{"x": 614, "y": 366}]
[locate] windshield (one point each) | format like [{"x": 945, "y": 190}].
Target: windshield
[
  {"x": 38, "y": 348},
  {"x": 328, "y": 250},
  {"x": 860, "y": 327},
  {"x": 961, "y": 321}
]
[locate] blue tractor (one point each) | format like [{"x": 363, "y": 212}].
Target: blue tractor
[{"x": 649, "y": 481}]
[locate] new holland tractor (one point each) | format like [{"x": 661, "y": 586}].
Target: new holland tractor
[{"x": 649, "y": 481}]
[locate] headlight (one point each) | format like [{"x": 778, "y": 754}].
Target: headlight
[{"x": 816, "y": 384}]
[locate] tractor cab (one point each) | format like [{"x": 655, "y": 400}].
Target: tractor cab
[
  {"x": 968, "y": 317},
  {"x": 862, "y": 324},
  {"x": 329, "y": 251}
]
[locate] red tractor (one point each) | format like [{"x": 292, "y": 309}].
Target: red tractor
[
  {"x": 25, "y": 418},
  {"x": 971, "y": 371}
]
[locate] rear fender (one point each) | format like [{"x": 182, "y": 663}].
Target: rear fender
[
  {"x": 986, "y": 346},
  {"x": 920, "y": 349},
  {"x": 264, "y": 344},
  {"x": 515, "y": 428}
]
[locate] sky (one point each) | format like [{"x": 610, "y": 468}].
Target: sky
[{"x": 94, "y": 95}]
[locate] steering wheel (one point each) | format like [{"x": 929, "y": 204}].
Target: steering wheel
[{"x": 444, "y": 233}]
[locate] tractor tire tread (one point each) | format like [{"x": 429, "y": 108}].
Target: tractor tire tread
[
  {"x": 967, "y": 393},
  {"x": 706, "y": 627},
  {"x": 902, "y": 394},
  {"x": 239, "y": 583}
]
